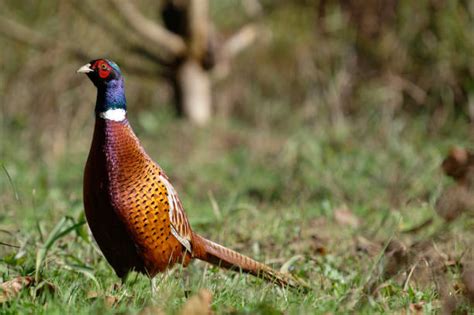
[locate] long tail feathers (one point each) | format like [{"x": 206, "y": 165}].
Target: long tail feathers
[{"x": 221, "y": 256}]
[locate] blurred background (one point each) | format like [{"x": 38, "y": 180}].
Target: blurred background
[{"x": 320, "y": 109}]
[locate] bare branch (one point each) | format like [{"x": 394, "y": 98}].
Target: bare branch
[
  {"x": 149, "y": 30},
  {"x": 243, "y": 38},
  {"x": 102, "y": 19},
  {"x": 18, "y": 32},
  {"x": 198, "y": 27},
  {"x": 123, "y": 37}
]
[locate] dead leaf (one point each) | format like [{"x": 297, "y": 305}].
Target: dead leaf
[
  {"x": 417, "y": 308},
  {"x": 344, "y": 216},
  {"x": 312, "y": 238},
  {"x": 92, "y": 295},
  {"x": 459, "y": 198},
  {"x": 317, "y": 245},
  {"x": 468, "y": 280},
  {"x": 152, "y": 310},
  {"x": 366, "y": 246},
  {"x": 456, "y": 163},
  {"x": 396, "y": 258},
  {"x": 12, "y": 288},
  {"x": 109, "y": 300},
  {"x": 459, "y": 165},
  {"x": 453, "y": 201},
  {"x": 199, "y": 304}
]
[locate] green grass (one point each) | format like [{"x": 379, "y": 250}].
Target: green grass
[{"x": 267, "y": 191}]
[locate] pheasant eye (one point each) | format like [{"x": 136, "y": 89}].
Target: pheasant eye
[{"x": 104, "y": 70}]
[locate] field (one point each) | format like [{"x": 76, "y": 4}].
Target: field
[
  {"x": 324, "y": 205},
  {"x": 308, "y": 165}
]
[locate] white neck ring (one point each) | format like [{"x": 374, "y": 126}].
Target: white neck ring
[{"x": 117, "y": 114}]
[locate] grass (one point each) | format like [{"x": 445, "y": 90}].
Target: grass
[{"x": 272, "y": 192}]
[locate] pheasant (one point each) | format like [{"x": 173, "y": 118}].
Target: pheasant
[{"x": 133, "y": 211}]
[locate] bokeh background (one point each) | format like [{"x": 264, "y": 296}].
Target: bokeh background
[{"x": 327, "y": 127}]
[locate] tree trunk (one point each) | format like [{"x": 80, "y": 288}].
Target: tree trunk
[{"x": 193, "y": 91}]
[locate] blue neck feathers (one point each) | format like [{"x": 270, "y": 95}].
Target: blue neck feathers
[{"x": 111, "y": 95}]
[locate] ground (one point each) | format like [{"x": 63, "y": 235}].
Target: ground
[{"x": 342, "y": 208}]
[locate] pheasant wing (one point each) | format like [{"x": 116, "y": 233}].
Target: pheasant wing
[{"x": 180, "y": 227}]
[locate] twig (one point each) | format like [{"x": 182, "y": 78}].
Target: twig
[
  {"x": 9, "y": 245},
  {"x": 232, "y": 47},
  {"x": 122, "y": 36},
  {"x": 149, "y": 30},
  {"x": 240, "y": 40}
]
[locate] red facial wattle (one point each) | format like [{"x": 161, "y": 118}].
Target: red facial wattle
[
  {"x": 104, "y": 73},
  {"x": 103, "y": 68}
]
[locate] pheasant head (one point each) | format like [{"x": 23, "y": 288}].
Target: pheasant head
[{"x": 107, "y": 77}]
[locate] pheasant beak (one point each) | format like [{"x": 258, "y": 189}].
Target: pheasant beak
[{"x": 85, "y": 69}]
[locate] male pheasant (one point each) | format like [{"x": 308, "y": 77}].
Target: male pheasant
[{"x": 132, "y": 209}]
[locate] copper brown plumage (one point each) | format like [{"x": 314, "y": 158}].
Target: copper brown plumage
[{"x": 132, "y": 209}]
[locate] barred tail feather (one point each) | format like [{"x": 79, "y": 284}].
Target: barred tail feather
[{"x": 221, "y": 256}]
